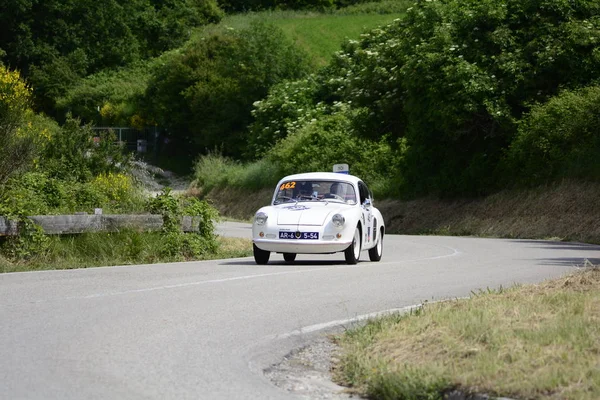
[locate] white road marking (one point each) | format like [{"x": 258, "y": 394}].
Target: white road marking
[
  {"x": 179, "y": 285},
  {"x": 339, "y": 322},
  {"x": 333, "y": 324},
  {"x": 310, "y": 268},
  {"x": 455, "y": 252}
]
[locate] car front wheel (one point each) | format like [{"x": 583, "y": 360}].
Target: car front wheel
[
  {"x": 260, "y": 256},
  {"x": 289, "y": 257},
  {"x": 352, "y": 253},
  {"x": 376, "y": 252}
]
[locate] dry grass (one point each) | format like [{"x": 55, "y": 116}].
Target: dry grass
[
  {"x": 530, "y": 342},
  {"x": 234, "y": 247},
  {"x": 239, "y": 203},
  {"x": 567, "y": 211}
]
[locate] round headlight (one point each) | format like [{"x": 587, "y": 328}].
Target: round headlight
[
  {"x": 260, "y": 218},
  {"x": 338, "y": 220}
]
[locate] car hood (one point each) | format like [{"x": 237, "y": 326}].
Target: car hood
[{"x": 307, "y": 213}]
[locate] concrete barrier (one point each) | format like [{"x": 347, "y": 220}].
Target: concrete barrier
[{"x": 73, "y": 224}]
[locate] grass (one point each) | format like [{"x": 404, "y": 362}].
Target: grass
[
  {"x": 215, "y": 171},
  {"x": 528, "y": 342},
  {"x": 322, "y": 35},
  {"x": 123, "y": 248},
  {"x": 319, "y": 34}
]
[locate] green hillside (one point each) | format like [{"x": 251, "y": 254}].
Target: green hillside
[{"x": 321, "y": 34}]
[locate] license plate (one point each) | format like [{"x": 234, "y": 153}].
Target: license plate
[{"x": 299, "y": 235}]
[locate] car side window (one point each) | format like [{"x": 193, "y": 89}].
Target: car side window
[{"x": 363, "y": 191}]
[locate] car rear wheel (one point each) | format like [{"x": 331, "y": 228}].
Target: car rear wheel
[
  {"x": 289, "y": 257},
  {"x": 352, "y": 253},
  {"x": 376, "y": 252},
  {"x": 260, "y": 256}
]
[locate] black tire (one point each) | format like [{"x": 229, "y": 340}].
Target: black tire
[
  {"x": 260, "y": 256},
  {"x": 289, "y": 257},
  {"x": 352, "y": 253},
  {"x": 376, "y": 252}
]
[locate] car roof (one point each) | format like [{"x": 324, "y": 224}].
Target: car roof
[{"x": 325, "y": 176}]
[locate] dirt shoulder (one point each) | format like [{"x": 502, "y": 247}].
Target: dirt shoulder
[{"x": 568, "y": 211}]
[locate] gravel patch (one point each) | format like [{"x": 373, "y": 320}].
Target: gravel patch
[{"x": 305, "y": 372}]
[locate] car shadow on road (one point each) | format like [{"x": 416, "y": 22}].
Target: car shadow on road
[
  {"x": 554, "y": 245},
  {"x": 282, "y": 263},
  {"x": 575, "y": 261},
  {"x": 579, "y": 262}
]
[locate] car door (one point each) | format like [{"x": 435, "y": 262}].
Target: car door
[{"x": 366, "y": 205}]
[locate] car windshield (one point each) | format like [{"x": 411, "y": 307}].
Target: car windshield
[{"x": 301, "y": 190}]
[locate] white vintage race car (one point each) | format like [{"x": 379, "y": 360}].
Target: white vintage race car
[{"x": 319, "y": 213}]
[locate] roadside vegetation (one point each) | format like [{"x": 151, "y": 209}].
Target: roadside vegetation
[
  {"x": 49, "y": 168},
  {"x": 127, "y": 247},
  {"x": 467, "y": 117},
  {"x": 526, "y": 342},
  {"x": 446, "y": 105},
  {"x": 450, "y": 100}
]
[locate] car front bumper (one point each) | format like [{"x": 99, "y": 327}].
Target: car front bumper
[{"x": 302, "y": 246}]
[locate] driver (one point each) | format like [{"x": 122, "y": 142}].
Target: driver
[
  {"x": 304, "y": 190},
  {"x": 335, "y": 191}
]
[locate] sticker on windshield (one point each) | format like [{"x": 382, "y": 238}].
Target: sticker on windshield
[{"x": 288, "y": 185}]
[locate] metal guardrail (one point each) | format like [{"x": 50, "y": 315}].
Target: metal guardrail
[{"x": 74, "y": 224}]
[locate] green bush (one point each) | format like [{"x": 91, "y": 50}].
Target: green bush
[
  {"x": 36, "y": 193},
  {"x": 558, "y": 139},
  {"x": 216, "y": 171},
  {"x": 176, "y": 243},
  {"x": 17, "y": 142},
  {"x": 450, "y": 81},
  {"x": 288, "y": 106},
  {"x": 117, "y": 91},
  {"x": 204, "y": 95},
  {"x": 330, "y": 140},
  {"x": 71, "y": 153},
  {"x": 76, "y": 38}
]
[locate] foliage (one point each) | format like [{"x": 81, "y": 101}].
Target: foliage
[
  {"x": 452, "y": 79},
  {"x": 373, "y": 7},
  {"x": 118, "y": 248},
  {"x": 30, "y": 242},
  {"x": 288, "y": 106},
  {"x": 204, "y": 94},
  {"x": 70, "y": 172},
  {"x": 118, "y": 89},
  {"x": 37, "y": 193},
  {"x": 72, "y": 153},
  {"x": 330, "y": 140},
  {"x": 117, "y": 190},
  {"x": 166, "y": 205},
  {"x": 321, "y": 34},
  {"x": 56, "y": 42},
  {"x": 177, "y": 243},
  {"x": 17, "y": 144},
  {"x": 558, "y": 139},
  {"x": 257, "y": 5},
  {"x": 216, "y": 171}
]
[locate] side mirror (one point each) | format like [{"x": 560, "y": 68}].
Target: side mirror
[{"x": 367, "y": 203}]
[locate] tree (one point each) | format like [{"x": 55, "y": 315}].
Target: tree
[{"x": 204, "y": 95}]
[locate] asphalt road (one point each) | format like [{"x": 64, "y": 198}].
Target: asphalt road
[{"x": 207, "y": 330}]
